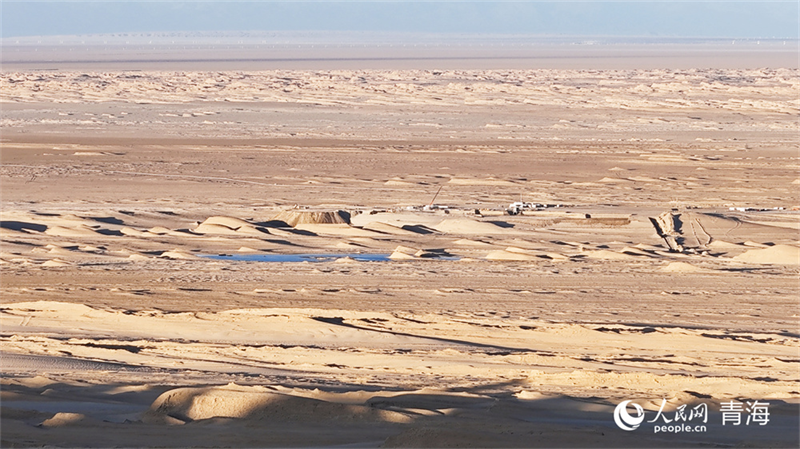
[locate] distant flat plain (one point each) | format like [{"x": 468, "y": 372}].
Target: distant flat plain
[{"x": 314, "y": 51}]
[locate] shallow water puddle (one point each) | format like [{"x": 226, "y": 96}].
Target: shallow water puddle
[{"x": 299, "y": 257}]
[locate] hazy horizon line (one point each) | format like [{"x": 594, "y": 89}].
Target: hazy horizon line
[{"x": 388, "y": 34}]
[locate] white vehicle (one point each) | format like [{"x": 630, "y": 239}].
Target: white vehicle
[{"x": 517, "y": 207}]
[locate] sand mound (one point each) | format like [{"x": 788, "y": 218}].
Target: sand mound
[
  {"x": 295, "y": 217},
  {"x": 404, "y": 253},
  {"x": 468, "y": 242},
  {"x": 466, "y": 226},
  {"x": 230, "y": 222},
  {"x": 204, "y": 228},
  {"x": 220, "y": 229},
  {"x": 179, "y": 254},
  {"x": 252, "y": 230},
  {"x": 406, "y": 249},
  {"x": 633, "y": 251},
  {"x": 605, "y": 254},
  {"x": 509, "y": 255},
  {"x": 721, "y": 244},
  {"x": 397, "y": 182},
  {"x": 385, "y": 228},
  {"x": 778, "y": 255},
  {"x": 132, "y": 232},
  {"x": 58, "y": 251},
  {"x": 348, "y": 245},
  {"x": 556, "y": 256},
  {"x": 342, "y": 230},
  {"x": 401, "y": 256},
  {"x": 56, "y": 263},
  {"x": 683, "y": 267},
  {"x": 228, "y": 226},
  {"x": 61, "y": 231},
  {"x": 258, "y": 403},
  {"x": 63, "y": 419}
]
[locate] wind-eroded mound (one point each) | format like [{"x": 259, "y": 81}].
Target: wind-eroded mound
[
  {"x": 385, "y": 228},
  {"x": 257, "y": 403},
  {"x": 466, "y": 226},
  {"x": 230, "y": 222},
  {"x": 683, "y": 267},
  {"x": 605, "y": 254},
  {"x": 406, "y": 253},
  {"x": 403, "y": 253},
  {"x": 509, "y": 255},
  {"x": 295, "y": 217},
  {"x": 179, "y": 254},
  {"x": 778, "y": 255},
  {"x": 78, "y": 231},
  {"x": 64, "y": 419},
  {"x": 227, "y": 226}
]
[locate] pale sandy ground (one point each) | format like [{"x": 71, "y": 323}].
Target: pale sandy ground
[{"x": 115, "y": 332}]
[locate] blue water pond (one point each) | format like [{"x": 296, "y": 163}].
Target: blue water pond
[{"x": 299, "y": 257}]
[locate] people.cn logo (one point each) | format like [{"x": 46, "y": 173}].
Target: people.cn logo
[{"x": 624, "y": 420}]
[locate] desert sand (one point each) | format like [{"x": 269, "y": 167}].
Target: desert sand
[{"x": 457, "y": 326}]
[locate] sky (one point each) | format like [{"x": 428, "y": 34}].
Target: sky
[{"x": 724, "y": 19}]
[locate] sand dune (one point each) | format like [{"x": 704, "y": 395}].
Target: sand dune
[
  {"x": 230, "y": 222},
  {"x": 399, "y": 219},
  {"x": 344, "y": 230},
  {"x": 227, "y": 226},
  {"x": 210, "y": 228},
  {"x": 179, "y": 254},
  {"x": 147, "y": 338},
  {"x": 259, "y": 404},
  {"x": 778, "y": 255},
  {"x": 461, "y": 226},
  {"x": 384, "y": 228},
  {"x": 133, "y": 232},
  {"x": 382, "y": 87},
  {"x": 550, "y": 369},
  {"x": 509, "y": 255},
  {"x": 472, "y": 243},
  {"x": 610, "y": 255},
  {"x": 56, "y": 263},
  {"x": 690, "y": 232},
  {"x": 683, "y": 267},
  {"x": 137, "y": 207},
  {"x": 61, "y": 231}
]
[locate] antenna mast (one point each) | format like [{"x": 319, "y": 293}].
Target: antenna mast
[{"x": 434, "y": 196}]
